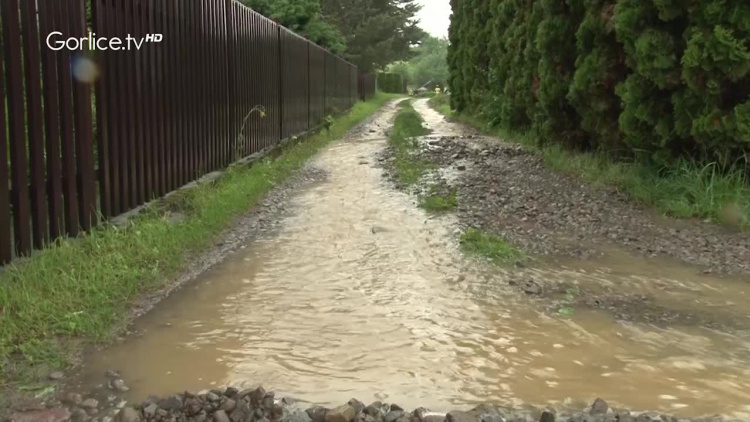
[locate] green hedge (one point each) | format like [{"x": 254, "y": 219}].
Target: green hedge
[
  {"x": 670, "y": 78},
  {"x": 391, "y": 83}
]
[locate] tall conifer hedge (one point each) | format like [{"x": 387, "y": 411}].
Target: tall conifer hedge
[{"x": 669, "y": 78}]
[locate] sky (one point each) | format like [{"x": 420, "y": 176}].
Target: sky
[{"x": 435, "y": 17}]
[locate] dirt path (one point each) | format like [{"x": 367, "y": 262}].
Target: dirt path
[{"x": 356, "y": 292}]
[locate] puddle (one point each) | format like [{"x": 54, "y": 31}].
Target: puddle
[{"x": 361, "y": 294}]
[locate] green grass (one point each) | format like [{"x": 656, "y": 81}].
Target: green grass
[
  {"x": 80, "y": 290},
  {"x": 407, "y": 125},
  {"x": 438, "y": 203},
  {"x": 685, "y": 189},
  {"x": 495, "y": 248}
]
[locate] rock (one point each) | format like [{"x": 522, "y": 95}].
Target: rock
[
  {"x": 298, "y": 417},
  {"x": 344, "y": 413},
  {"x": 79, "y": 415},
  {"x": 231, "y": 392},
  {"x": 241, "y": 412},
  {"x": 119, "y": 385},
  {"x": 172, "y": 403},
  {"x": 437, "y": 417},
  {"x": 57, "y": 414},
  {"x": 374, "y": 410},
  {"x": 268, "y": 401},
  {"x": 111, "y": 373},
  {"x": 128, "y": 414},
  {"x": 73, "y": 398},
  {"x": 357, "y": 405},
  {"x": 531, "y": 287},
  {"x": 393, "y": 415},
  {"x": 229, "y": 406},
  {"x": 90, "y": 404},
  {"x": 150, "y": 410},
  {"x": 211, "y": 396},
  {"x": 256, "y": 396},
  {"x": 461, "y": 168},
  {"x": 491, "y": 417},
  {"x": 600, "y": 407},
  {"x": 55, "y": 376},
  {"x": 461, "y": 417},
  {"x": 396, "y": 407},
  {"x": 221, "y": 416},
  {"x": 547, "y": 417},
  {"x": 317, "y": 413},
  {"x": 277, "y": 412}
]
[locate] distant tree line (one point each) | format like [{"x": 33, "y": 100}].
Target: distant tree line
[
  {"x": 369, "y": 33},
  {"x": 662, "y": 77},
  {"x": 428, "y": 66}
]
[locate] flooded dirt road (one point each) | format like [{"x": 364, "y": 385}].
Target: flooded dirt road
[{"x": 362, "y": 294}]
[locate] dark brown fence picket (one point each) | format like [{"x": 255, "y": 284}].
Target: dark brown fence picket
[{"x": 161, "y": 115}]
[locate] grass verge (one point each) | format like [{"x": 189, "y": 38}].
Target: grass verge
[
  {"x": 439, "y": 203},
  {"x": 80, "y": 290},
  {"x": 686, "y": 189},
  {"x": 495, "y": 248},
  {"x": 407, "y": 125}
]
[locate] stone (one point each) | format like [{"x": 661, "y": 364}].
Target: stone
[
  {"x": 277, "y": 412},
  {"x": 221, "y": 416},
  {"x": 317, "y": 413},
  {"x": 358, "y": 406},
  {"x": 345, "y": 413},
  {"x": 231, "y": 392},
  {"x": 57, "y": 375},
  {"x": 256, "y": 396},
  {"x": 241, "y": 411},
  {"x": 531, "y": 287},
  {"x": 79, "y": 415},
  {"x": 90, "y": 404},
  {"x": 267, "y": 402},
  {"x": 73, "y": 398},
  {"x": 393, "y": 415},
  {"x": 396, "y": 407},
  {"x": 119, "y": 385},
  {"x": 111, "y": 373},
  {"x": 461, "y": 168},
  {"x": 150, "y": 410},
  {"x": 128, "y": 414},
  {"x": 491, "y": 417},
  {"x": 547, "y": 417},
  {"x": 435, "y": 417},
  {"x": 461, "y": 417},
  {"x": 600, "y": 407},
  {"x": 57, "y": 414},
  {"x": 172, "y": 403},
  {"x": 374, "y": 409},
  {"x": 229, "y": 406},
  {"x": 211, "y": 396}
]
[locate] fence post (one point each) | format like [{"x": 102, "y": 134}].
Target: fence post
[
  {"x": 281, "y": 83},
  {"x": 229, "y": 45}
]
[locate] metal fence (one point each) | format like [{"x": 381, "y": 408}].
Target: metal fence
[{"x": 156, "y": 118}]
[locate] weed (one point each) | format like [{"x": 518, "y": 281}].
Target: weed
[
  {"x": 438, "y": 203},
  {"x": 494, "y": 248},
  {"x": 408, "y": 125}
]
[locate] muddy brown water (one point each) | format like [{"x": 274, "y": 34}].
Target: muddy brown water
[{"x": 362, "y": 294}]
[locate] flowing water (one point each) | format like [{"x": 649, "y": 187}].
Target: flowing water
[{"x": 361, "y": 294}]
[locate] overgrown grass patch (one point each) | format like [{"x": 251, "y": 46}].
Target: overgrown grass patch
[
  {"x": 439, "y": 203},
  {"x": 685, "y": 189},
  {"x": 408, "y": 125},
  {"x": 80, "y": 290},
  {"x": 495, "y": 248}
]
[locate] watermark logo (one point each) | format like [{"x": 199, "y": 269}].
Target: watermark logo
[{"x": 57, "y": 41}]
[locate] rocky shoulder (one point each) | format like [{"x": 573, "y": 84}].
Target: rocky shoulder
[{"x": 257, "y": 405}]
